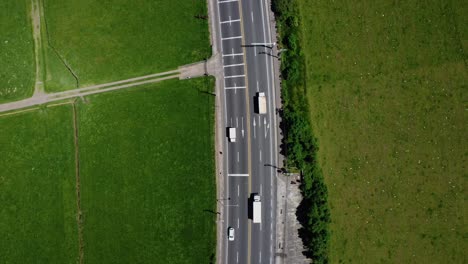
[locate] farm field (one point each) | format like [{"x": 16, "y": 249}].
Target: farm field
[
  {"x": 147, "y": 186},
  {"x": 386, "y": 84},
  {"x": 147, "y": 174},
  {"x": 102, "y": 42},
  {"x": 16, "y": 50},
  {"x": 37, "y": 188}
]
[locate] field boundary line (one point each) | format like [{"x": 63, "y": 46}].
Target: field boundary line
[
  {"x": 59, "y": 104},
  {"x": 79, "y": 213},
  {"x": 49, "y": 44},
  {"x": 19, "y": 112},
  {"x": 35, "y": 108}
]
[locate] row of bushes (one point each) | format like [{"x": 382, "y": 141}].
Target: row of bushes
[{"x": 299, "y": 145}]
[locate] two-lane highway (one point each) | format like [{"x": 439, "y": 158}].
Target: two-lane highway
[
  {"x": 250, "y": 162},
  {"x": 264, "y": 150},
  {"x": 235, "y": 108}
]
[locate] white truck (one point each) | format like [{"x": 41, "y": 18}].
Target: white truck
[
  {"x": 232, "y": 134},
  {"x": 257, "y": 209},
  {"x": 261, "y": 103}
]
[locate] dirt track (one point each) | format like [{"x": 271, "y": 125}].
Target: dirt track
[
  {"x": 36, "y": 26},
  {"x": 79, "y": 214}
]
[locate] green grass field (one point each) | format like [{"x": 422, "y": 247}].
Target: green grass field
[
  {"x": 16, "y": 50},
  {"x": 103, "y": 41},
  {"x": 37, "y": 188},
  {"x": 148, "y": 174},
  {"x": 387, "y": 91},
  {"x": 147, "y": 183}
]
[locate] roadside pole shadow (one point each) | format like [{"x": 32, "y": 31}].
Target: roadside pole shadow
[
  {"x": 278, "y": 169},
  {"x": 253, "y": 46},
  {"x": 268, "y": 54},
  {"x": 211, "y": 211}
]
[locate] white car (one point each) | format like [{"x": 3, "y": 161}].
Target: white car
[{"x": 231, "y": 233}]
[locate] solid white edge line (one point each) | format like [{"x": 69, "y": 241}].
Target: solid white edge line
[
  {"x": 274, "y": 141},
  {"x": 225, "y": 149}
]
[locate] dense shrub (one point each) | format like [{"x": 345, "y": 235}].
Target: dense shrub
[{"x": 299, "y": 145}]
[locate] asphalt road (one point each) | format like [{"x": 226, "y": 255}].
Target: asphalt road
[{"x": 250, "y": 162}]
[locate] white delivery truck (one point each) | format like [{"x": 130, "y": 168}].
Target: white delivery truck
[
  {"x": 257, "y": 209},
  {"x": 261, "y": 103},
  {"x": 232, "y": 134}
]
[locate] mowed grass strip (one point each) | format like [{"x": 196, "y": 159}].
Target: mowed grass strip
[
  {"x": 103, "y": 41},
  {"x": 37, "y": 188},
  {"x": 16, "y": 50},
  {"x": 147, "y": 174},
  {"x": 387, "y": 90}
]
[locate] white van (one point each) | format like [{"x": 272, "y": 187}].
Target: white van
[{"x": 232, "y": 134}]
